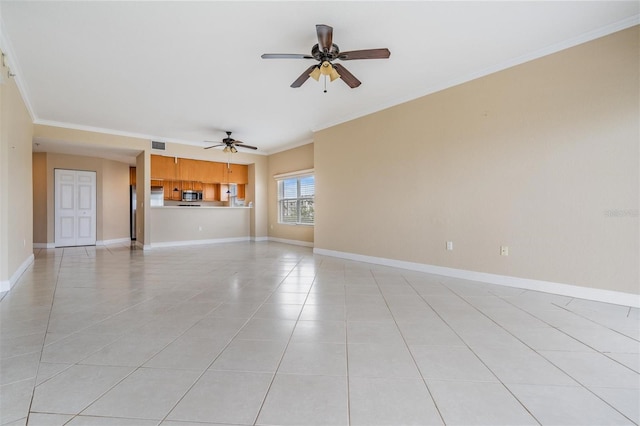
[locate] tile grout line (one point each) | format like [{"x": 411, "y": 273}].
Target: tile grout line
[
  {"x": 273, "y": 378},
  {"x": 561, "y": 331},
  {"x": 471, "y": 349},
  {"x": 541, "y": 355},
  {"x": 135, "y": 369},
  {"x": 395, "y": 322},
  {"x": 346, "y": 344},
  {"x": 53, "y": 297},
  {"x": 595, "y": 322},
  {"x": 206, "y": 369}
]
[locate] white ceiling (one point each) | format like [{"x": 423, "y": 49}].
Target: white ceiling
[{"x": 186, "y": 71}]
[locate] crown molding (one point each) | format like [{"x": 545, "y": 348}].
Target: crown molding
[
  {"x": 545, "y": 51},
  {"x": 287, "y": 147},
  {"x": 103, "y": 130}
]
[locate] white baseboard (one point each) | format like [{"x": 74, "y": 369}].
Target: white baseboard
[
  {"x": 6, "y": 285},
  {"x": 44, "y": 245},
  {"x": 292, "y": 242},
  {"x": 259, "y": 239},
  {"x": 196, "y": 242},
  {"x": 600, "y": 295},
  {"x": 98, "y": 243},
  {"x": 114, "y": 241}
]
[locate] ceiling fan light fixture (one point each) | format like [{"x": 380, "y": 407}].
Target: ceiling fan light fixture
[
  {"x": 233, "y": 149},
  {"x": 334, "y": 74},
  {"x": 326, "y": 68},
  {"x": 315, "y": 74},
  {"x": 226, "y": 149}
]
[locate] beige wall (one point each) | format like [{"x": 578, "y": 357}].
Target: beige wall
[
  {"x": 16, "y": 204},
  {"x": 300, "y": 158},
  {"x": 116, "y": 200},
  {"x": 143, "y": 174},
  {"x": 112, "y": 188},
  {"x": 542, "y": 157},
  {"x": 40, "y": 222}
]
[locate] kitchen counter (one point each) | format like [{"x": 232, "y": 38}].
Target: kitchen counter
[
  {"x": 200, "y": 207},
  {"x": 177, "y": 225}
]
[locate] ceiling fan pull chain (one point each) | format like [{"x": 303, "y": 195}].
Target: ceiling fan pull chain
[{"x": 325, "y": 84}]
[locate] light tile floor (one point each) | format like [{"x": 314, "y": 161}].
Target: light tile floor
[{"x": 270, "y": 334}]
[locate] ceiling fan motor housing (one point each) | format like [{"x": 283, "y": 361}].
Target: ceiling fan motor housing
[{"x": 322, "y": 56}]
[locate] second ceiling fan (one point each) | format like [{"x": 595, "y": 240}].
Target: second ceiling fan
[
  {"x": 230, "y": 144},
  {"x": 325, "y": 52}
]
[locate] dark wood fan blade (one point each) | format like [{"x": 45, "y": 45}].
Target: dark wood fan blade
[
  {"x": 325, "y": 37},
  {"x": 365, "y": 54},
  {"x": 346, "y": 76},
  {"x": 285, "y": 56},
  {"x": 303, "y": 77},
  {"x": 214, "y": 146},
  {"x": 243, "y": 145}
]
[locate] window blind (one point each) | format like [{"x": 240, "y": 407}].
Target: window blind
[{"x": 296, "y": 193}]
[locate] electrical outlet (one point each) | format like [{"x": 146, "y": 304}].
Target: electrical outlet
[
  {"x": 504, "y": 250},
  {"x": 449, "y": 245}
]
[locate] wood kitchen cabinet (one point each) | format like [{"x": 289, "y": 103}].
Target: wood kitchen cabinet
[
  {"x": 170, "y": 192},
  {"x": 189, "y": 170},
  {"x": 186, "y": 173},
  {"x": 163, "y": 167},
  {"x": 210, "y": 192},
  {"x": 132, "y": 176},
  {"x": 223, "y": 188},
  {"x": 213, "y": 172},
  {"x": 236, "y": 173}
]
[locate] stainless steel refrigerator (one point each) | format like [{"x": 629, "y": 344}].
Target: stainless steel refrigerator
[{"x": 132, "y": 216}]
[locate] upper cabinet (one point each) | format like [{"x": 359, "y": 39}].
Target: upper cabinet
[
  {"x": 188, "y": 170},
  {"x": 214, "y": 172},
  {"x": 163, "y": 167},
  {"x": 236, "y": 173}
]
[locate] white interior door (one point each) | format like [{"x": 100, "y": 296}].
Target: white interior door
[{"x": 75, "y": 212}]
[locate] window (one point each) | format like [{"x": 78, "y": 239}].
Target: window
[{"x": 295, "y": 199}]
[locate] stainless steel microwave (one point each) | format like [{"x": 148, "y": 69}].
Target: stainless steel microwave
[{"x": 190, "y": 195}]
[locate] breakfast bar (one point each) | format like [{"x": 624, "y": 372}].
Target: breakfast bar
[{"x": 187, "y": 225}]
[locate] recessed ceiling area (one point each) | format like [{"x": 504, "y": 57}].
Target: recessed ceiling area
[{"x": 186, "y": 72}]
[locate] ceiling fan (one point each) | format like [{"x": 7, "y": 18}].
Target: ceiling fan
[
  {"x": 325, "y": 51},
  {"x": 230, "y": 144}
]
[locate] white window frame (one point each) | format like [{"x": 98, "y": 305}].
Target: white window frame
[{"x": 280, "y": 178}]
